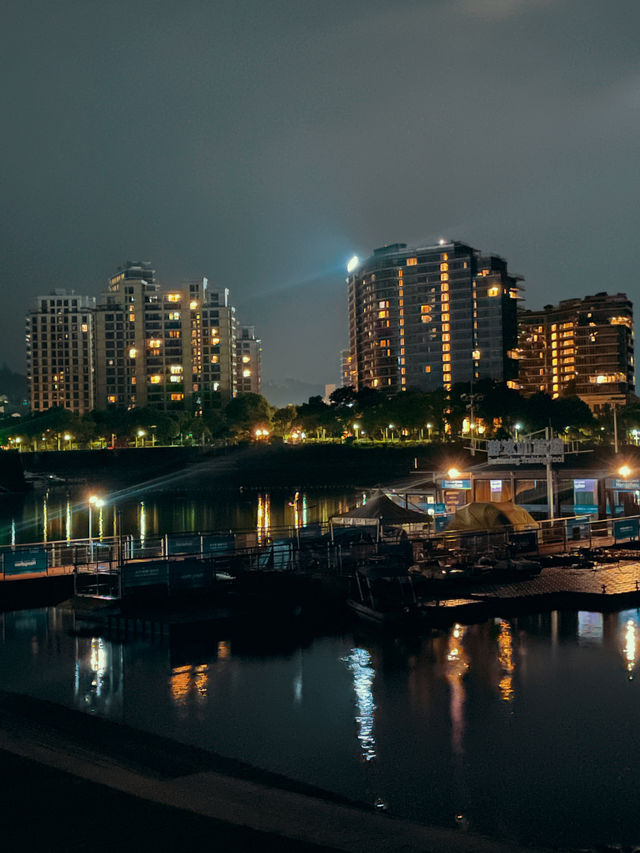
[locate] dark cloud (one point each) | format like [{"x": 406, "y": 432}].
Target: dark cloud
[{"x": 261, "y": 144}]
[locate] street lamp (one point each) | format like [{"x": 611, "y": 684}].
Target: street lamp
[
  {"x": 517, "y": 427},
  {"x": 140, "y": 434},
  {"x": 624, "y": 471},
  {"x": 356, "y": 428},
  {"x": 67, "y": 437},
  {"x": 453, "y": 473},
  {"x": 98, "y": 502},
  {"x": 429, "y": 428}
]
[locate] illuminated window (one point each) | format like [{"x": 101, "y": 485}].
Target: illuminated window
[
  {"x": 133, "y": 352},
  {"x": 383, "y": 314},
  {"x": 446, "y": 328},
  {"x": 174, "y": 333},
  {"x": 444, "y": 267},
  {"x": 447, "y": 377},
  {"x": 132, "y": 318},
  {"x": 493, "y": 291},
  {"x": 156, "y": 379},
  {"x": 246, "y": 373},
  {"x": 133, "y": 380},
  {"x": 246, "y": 359},
  {"x": 155, "y": 343},
  {"x": 446, "y": 356},
  {"x": 215, "y": 341},
  {"x": 444, "y": 276},
  {"x": 411, "y": 262},
  {"x": 446, "y": 348},
  {"x": 446, "y": 337},
  {"x": 445, "y": 318},
  {"x": 193, "y": 304},
  {"x": 427, "y": 369},
  {"x": 426, "y": 318},
  {"x": 174, "y": 297},
  {"x": 215, "y": 359},
  {"x": 176, "y": 368},
  {"x": 383, "y": 303},
  {"x": 174, "y": 315},
  {"x": 475, "y": 354},
  {"x": 111, "y": 398},
  {"x": 85, "y": 327},
  {"x": 176, "y": 397},
  {"x": 175, "y": 379}
]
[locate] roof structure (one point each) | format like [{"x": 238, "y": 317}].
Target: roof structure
[{"x": 380, "y": 508}]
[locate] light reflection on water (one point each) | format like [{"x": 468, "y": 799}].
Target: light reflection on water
[
  {"x": 460, "y": 728},
  {"x": 59, "y": 515}
]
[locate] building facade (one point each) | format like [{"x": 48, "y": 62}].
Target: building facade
[
  {"x": 168, "y": 349},
  {"x": 248, "y": 361},
  {"x": 581, "y": 346},
  {"x": 138, "y": 345},
  {"x": 60, "y": 354},
  {"x": 429, "y": 317}
]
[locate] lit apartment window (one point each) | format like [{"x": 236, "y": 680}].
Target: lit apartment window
[
  {"x": 412, "y": 262},
  {"x": 493, "y": 291},
  {"x": 155, "y": 343},
  {"x": 155, "y": 379},
  {"x": 176, "y": 368},
  {"x": 176, "y": 397},
  {"x": 173, "y": 297},
  {"x": 246, "y": 359},
  {"x": 111, "y": 398},
  {"x": 133, "y": 352},
  {"x": 444, "y": 267},
  {"x": 246, "y": 373}
]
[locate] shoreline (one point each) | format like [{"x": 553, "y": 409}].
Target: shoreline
[{"x": 235, "y": 798}]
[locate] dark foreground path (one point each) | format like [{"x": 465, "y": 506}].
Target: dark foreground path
[{"x": 71, "y": 782}]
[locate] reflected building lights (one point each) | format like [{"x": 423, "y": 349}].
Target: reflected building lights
[
  {"x": 264, "y": 518},
  {"x": 67, "y": 521},
  {"x": 224, "y": 650},
  {"x": 505, "y": 659},
  {"x": 456, "y": 667},
  {"x": 13, "y": 533},
  {"x": 630, "y": 649},
  {"x": 359, "y": 664},
  {"x": 143, "y": 524},
  {"x": 45, "y": 520},
  {"x": 187, "y": 679}
]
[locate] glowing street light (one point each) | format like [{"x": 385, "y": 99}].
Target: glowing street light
[
  {"x": 140, "y": 435},
  {"x": 624, "y": 471},
  {"x": 453, "y": 473},
  {"x": 357, "y": 429},
  {"x": 517, "y": 427},
  {"x": 97, "y": 502},
  {"x": 429, "y": 428}
]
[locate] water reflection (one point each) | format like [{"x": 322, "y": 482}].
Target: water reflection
[
  {"x": 189, "y": 680},
  {"x": 628, "y": 626},
  {"x": 263, "y": 522},
  {"x": 67, "y": 521},
  {"x": 456, "y": 667},
  {"x": 505, "y": 659},
  {"x": 143, "y": 524},
  {"x": 359, "y": 664},
  {"x": 98, "y": 676}
]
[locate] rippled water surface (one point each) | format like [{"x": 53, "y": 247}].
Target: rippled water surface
[{"x": 525, "y": 729}]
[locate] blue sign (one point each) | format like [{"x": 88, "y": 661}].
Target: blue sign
[
  {"x": 218, "y": 544},
  {"x": 439, "y": 509},
  {"x": 584, "y": 485},
  {"x": 456, "y": 484},
  {"x": 626, "y": 529},
  {"x": 585, "y": 509},
  {"x": 626, "y": 485},
  {"x": 145, "y": 574},
  {"x": 189, "y": 574},
  {"x": 188, "y": 544},
  {"x": 24, "y": 561},
  {"x": 441, "y": 522}
]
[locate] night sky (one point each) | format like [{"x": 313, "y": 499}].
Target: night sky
[{"x": 263, "y": 142}]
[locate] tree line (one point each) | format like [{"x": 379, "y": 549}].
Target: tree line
[{"x": 488, "y": 409}]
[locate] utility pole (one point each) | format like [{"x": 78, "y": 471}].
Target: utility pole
[
  {"x": 615, "y": 428},
  {"x": 550, "y": 500}
]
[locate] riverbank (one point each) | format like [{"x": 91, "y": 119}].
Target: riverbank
[{"x": 97, "y": 785}]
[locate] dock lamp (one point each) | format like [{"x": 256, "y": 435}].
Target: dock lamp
[
  {"x": 453, "y": 473},
  {"x": 140, "y": 435},
  {"x": 356, "y": 427},
  {"x": 97, "y": 502},
  {"x": 625, "y": 471}
]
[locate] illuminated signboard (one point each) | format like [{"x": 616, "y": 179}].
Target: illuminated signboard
[
  {"x": 536, "y": 451},
  {"x": 456, "y": 484}
]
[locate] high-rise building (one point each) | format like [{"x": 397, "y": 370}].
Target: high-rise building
[
  {"x": 248, "y": 361},
  {"x": 582, "y": 346},
  {"x": 60, "y": 357},
  {"x": 169, "y": 349},
  {"x": 428, "y": 317}
]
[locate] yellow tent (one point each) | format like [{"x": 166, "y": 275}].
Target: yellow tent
[{"x": 491, "y": 515}]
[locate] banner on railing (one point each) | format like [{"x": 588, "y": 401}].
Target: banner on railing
[
  {"x": 218, "y": 544},
  {"x": 145, "y": 574},
  {"x": 183, "y": 544},
  {"x": 24, "y": 561},
  {"x": 626, "y": 528}
]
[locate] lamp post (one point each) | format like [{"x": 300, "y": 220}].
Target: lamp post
[
  {"x": 517, "y": 428},
  {"x": 357, "y": 430},
  {"x": 140, "y": 435},
  {"x": 67, "y": 437},
  {"x": 98, "y": 502}
]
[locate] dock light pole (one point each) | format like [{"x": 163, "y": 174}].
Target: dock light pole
[
  {"x": 98, "y": 502},
  {"x": 357, "y": 430}
]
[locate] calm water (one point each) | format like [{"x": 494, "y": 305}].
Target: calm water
[
  {"x": 525, "y": 729},
  {"x": 59, "y": 514}
]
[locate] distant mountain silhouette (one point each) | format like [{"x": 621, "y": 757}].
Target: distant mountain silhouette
[
  {"x": 14, "y": 385},
  {"x": 290, "y": 391}
]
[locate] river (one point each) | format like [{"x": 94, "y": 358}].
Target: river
[{"x": 523, "y": 729}]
